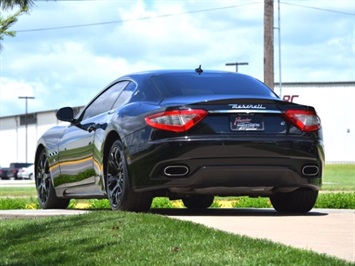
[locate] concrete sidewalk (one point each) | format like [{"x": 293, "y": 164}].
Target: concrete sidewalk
[
  {"x": 11, "y": 214},
  {"x": 324, "y": 231}
]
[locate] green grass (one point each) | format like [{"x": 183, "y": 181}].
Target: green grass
[
  {"x": 18, "y": 192},
  {"x": 339, "y": 177},
  {"x": 119, "y": 238}
]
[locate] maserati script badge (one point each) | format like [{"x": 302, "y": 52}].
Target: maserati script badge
[{"x": 247, "y": 106}]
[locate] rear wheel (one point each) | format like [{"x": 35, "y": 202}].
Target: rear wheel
[
  {"x": 45, "y": 191},
  {"x": 198, "y": 201},
  {"x": 299, "y": 201},
  {"x": 119, "y": 191}
]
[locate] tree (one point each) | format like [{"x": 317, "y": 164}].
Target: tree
[
  {"x": 10, "y": 4},
  {"x": 6, "y": 23}
]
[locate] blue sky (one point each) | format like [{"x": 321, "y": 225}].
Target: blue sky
[{"x": 65, "y": 52}]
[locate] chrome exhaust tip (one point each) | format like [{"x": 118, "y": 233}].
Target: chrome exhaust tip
[
  {"x": 176, "y": 170},
  {"x": 310, "y": 170}
]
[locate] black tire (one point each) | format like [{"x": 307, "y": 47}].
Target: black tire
[
  {"x": 198, "y": 201},
  {"x": 119, "y": 191},
  {"x": 45, "y": 191},
  {"x": 299, "y": 201}
]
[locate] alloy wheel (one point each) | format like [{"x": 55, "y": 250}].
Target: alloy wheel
[
  {"x": 115, "y": 177},
  {"x": 42, "y": 178}
]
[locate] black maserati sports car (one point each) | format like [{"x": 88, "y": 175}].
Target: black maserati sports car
[{"x": 183, "y": 134}]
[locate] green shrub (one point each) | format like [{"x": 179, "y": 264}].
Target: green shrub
[
  {"x": 247, "y": 202},
  {"x": 72, "y": 204},
  {"x": 89, "y": 204},
  {"x": 99, "y": 204},
  {"x": 18, "y": 203},
  {"x": 216, "y": 204},
  {"x": 340, "y": 200},
  {"x": 162, "y": 203}
]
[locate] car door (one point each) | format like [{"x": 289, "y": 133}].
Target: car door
[{"x": 76, "y": 147}]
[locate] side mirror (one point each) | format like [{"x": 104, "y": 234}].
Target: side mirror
[{"x": 65, "y": 114}]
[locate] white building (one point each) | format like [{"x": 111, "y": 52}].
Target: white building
[
  {"x": 14, "y": 136},
  {"x": 334, "y": 102}
]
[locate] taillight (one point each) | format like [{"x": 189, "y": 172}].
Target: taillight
[
  {"x": 305, "y": 120},
  {"x": 176, "y": 120}
]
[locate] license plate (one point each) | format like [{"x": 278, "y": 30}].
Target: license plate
[{"x": 246, "y": 123}]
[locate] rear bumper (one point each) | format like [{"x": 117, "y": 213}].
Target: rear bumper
[
  {"x": 228, "y": 168},
  {"x": 256, "y": 180}
]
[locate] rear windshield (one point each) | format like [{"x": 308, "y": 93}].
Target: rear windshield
[{"x": 186, "y": 84}]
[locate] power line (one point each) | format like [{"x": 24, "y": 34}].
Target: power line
[
  {"x": 164, "y": 15},
  {"x": 320, "y": 9},
  {"x": 135, "y": 19}
]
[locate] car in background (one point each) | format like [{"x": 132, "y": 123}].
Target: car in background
[
  {"x": 26, "y": 172},
  {"x": 183, "y": 134},
  {"x": 3, "y": 172},
  {"x": 14, "y": 169}
]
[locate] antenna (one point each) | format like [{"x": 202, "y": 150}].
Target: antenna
[{"x": 199, "y": 70}]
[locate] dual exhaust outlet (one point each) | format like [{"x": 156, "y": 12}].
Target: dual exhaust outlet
[{"x": 182, "y": 170}]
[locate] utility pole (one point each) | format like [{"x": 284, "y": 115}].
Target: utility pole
[
  {"x": 279, "y": 37},
  {"x": 236, "y": 65},
  {"x": 269, "y": 43},
  {"x": 26, "y": 122}
]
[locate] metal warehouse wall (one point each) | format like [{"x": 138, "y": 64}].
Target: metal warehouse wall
[
  {"x": 334, "y": 103},
  {"x": 13, "y": 136}
]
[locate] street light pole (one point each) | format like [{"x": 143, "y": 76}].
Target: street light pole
[
  {"x": 26, "y": 122},
  {"x": 236, "y": 65}
]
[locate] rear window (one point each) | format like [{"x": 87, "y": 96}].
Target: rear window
[{"x": 186, "y": 84}]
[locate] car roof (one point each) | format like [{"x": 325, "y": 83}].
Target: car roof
[{"x": 150, "y": 73}]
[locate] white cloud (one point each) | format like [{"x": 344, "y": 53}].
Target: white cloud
[
  {"x": 69, "y": 66},
  {"x": 10, "y": 91}
]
